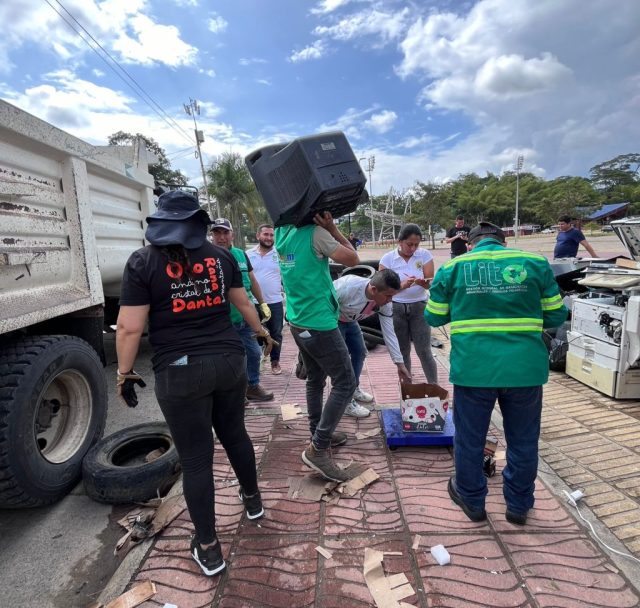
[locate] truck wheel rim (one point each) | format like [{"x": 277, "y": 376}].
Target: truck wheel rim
[{"x": 63, "y": 416}]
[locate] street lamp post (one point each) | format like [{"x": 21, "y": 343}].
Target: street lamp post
[
  {"x": 516, "y": 224},
  {"x": 371, "y": 163},
  {"x": 193, "y": 108}
]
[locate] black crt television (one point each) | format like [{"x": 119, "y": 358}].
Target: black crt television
[{"x": 307, "y": 176}]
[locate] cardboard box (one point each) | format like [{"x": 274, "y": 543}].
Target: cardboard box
[{"x": 423, "y": 407}]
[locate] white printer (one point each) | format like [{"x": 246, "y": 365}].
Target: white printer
[{"x": 604, "y": 340}]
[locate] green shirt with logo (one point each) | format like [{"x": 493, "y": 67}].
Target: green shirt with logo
[
  {"x": 312, "y": 302},
  {"x": 497, "y": 300},
  {"x": 241, "y": 258}
]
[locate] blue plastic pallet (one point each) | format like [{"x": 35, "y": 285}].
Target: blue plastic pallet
[{"x": 396, "y": 436}]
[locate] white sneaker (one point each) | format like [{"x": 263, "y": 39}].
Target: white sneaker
[
  {"x": 360, "y": 395},
  {"x": 356, "y": 410}
]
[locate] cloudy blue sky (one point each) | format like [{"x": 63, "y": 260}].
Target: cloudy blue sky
[{"x": 431, "y": 88}]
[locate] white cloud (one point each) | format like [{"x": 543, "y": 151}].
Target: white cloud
[
  {"x": 382, "y": 121},
  {"x": 264, "y": 81},
  {"x": 511, "y": 76},
  {"x": 251, "y": 60},
  {"x": 328, "y": 6},
  {"x": 97, "y": 73},
  {"x": 210, "y": 73},
  {"x": 387, "y": 26},
  {"x": 154, "y": 43},
  {"x": 185, "y": 2},
  {"x": 217, "y": 24},
  {"x": 314, "y": 51},
  {"x": 124, "y": 27},
  {"x": 209, "y": 109}
]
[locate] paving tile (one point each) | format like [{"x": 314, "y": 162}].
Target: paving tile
[
  {"x": 423, "y": 460},
  {"x": 548, "y": 513},
  {"x": 342, "y": 579},
  {"x": 271, "y": 571},
  {"x": 259, "y": 427},
  {"x": 568, "y": 570},
  {"x": 374, "y": 509},
  {"x": 282, "y": 514},
  {"x": 177, "y": 577},
  {"x": 427, "y": 507},
  {"x": 478, "y": 575}
]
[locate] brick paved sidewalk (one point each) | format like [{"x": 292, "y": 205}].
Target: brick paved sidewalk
[{"x": 273, "y": 563}]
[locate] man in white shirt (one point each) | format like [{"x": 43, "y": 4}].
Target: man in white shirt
[
  {"x": 359, "y": 298},
  {"x": 266, "y": 268}
]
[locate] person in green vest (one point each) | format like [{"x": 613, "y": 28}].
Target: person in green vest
[
  {"x": 312, "y": 312},
  {"x": 497, "y": 301},
  {"x": 222, "y": 233}
]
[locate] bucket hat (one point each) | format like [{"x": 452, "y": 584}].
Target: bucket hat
[{"x": 179, "y": 220}]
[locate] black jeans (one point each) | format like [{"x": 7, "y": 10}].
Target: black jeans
[
  {"x": 325, "y": 354},
  {"x": 208, "y": 391}
]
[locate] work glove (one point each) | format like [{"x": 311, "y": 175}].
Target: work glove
[
  {"x": 266, "y": 312},
  {"x": 266, "y": 341},
  {"x": 126, "y": 387}
]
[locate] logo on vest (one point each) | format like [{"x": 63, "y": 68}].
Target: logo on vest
[{"x": 514, "y": 274}]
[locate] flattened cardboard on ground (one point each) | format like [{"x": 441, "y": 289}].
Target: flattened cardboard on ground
[
  {"x": 132, "y": 598},
  {"x": 387, "y": 591},
  {"x": 416, "y": 542},
  {"x": 290, "y": 411},
  {"x": 315, "y": 488},
  {"x": 423, "y": 407},
  {"x": 366, "y": 434},
  {"x": 326, "y": 554}
]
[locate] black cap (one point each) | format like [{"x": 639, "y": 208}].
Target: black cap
[{"x": 486, "y": 229}]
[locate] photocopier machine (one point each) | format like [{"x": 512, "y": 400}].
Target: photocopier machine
[{"x": 604, "y": 338}]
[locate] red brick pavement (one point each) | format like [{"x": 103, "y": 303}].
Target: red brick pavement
[{"x": 273, "y": 563}]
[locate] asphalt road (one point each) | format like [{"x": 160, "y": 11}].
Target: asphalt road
[{"x": 62, "y": 556}]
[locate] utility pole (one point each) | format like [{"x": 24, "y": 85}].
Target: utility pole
[
  {"x": 371, "y": 163},
  {"x": 193, "y": 108},
  {"x": 516, "y": 224}
]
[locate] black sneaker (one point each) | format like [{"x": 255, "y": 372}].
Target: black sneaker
[
  {"x": 472, "y": 514},
  {"x": 519, "y": 519},
  {"x": 252, "y": 504},
  {"x": 209, "y": 559}
]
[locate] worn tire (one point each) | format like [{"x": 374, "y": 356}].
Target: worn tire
[
  {"x": 53, "y": 408},
  {"x": 372, "y": 337},
  {"x": 361, "y": 270},
  {"x": 114, "y": 470}
]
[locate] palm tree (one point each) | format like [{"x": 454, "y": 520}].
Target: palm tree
[{"x": 238, "y": 199}]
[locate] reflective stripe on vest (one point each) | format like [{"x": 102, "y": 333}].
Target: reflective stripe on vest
[
  {"x": 552, "y": 303},
  {"x": 496, "y": 325},
  {"x": 437, "y": 308}
]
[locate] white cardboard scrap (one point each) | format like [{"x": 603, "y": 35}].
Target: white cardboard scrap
[
  {"x": 290, "y": 411},
  {"x": 326, "y": 554}
]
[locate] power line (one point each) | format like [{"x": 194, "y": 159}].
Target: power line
[{"x": 151, "y": 103}]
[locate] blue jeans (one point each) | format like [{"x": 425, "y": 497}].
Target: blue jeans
[
  {"x": 352, "y": 335},
  {"x": 274, "y": 325},
  {"x": 521, "y": 411},
  {"x": 254, "y": 352},
  {"x": 325, "y": 354}
]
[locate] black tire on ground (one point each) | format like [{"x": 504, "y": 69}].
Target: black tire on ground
[
  {"x": 370, "y": 345},
  {"x": 115, "y": 470},
  {"x": 373, "y": 338},
  {"x": 361, "y": 270},
  {"x": 53, "y": 408}
]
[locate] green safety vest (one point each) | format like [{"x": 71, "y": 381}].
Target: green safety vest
[
  {"x": 312, "y": 302},
  {"x": 241, "y": 258},
  {"x": 498, "y": 301}
]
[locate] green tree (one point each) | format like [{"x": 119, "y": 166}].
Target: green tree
[
  {"x": 231, "y": 185},
  {"x": 619, "y": 171},
  {"x": 161, "y": 171}
]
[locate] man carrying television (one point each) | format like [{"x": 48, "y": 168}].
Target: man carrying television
[{"x": 312, "y": 312}]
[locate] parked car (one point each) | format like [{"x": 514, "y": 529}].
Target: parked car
[{"x": 607, "y": 228}]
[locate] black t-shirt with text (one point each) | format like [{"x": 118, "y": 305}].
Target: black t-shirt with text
[
  {"x": 187, "y": 315},
  {"x": 459, "y": 246}
]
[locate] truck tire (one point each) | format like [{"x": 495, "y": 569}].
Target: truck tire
[
  {"x": 53, "y": 408},
  {"x": 116, "y": 470}
]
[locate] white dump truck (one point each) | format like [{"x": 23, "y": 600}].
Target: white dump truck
[{"x": 70, "y": 216}]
